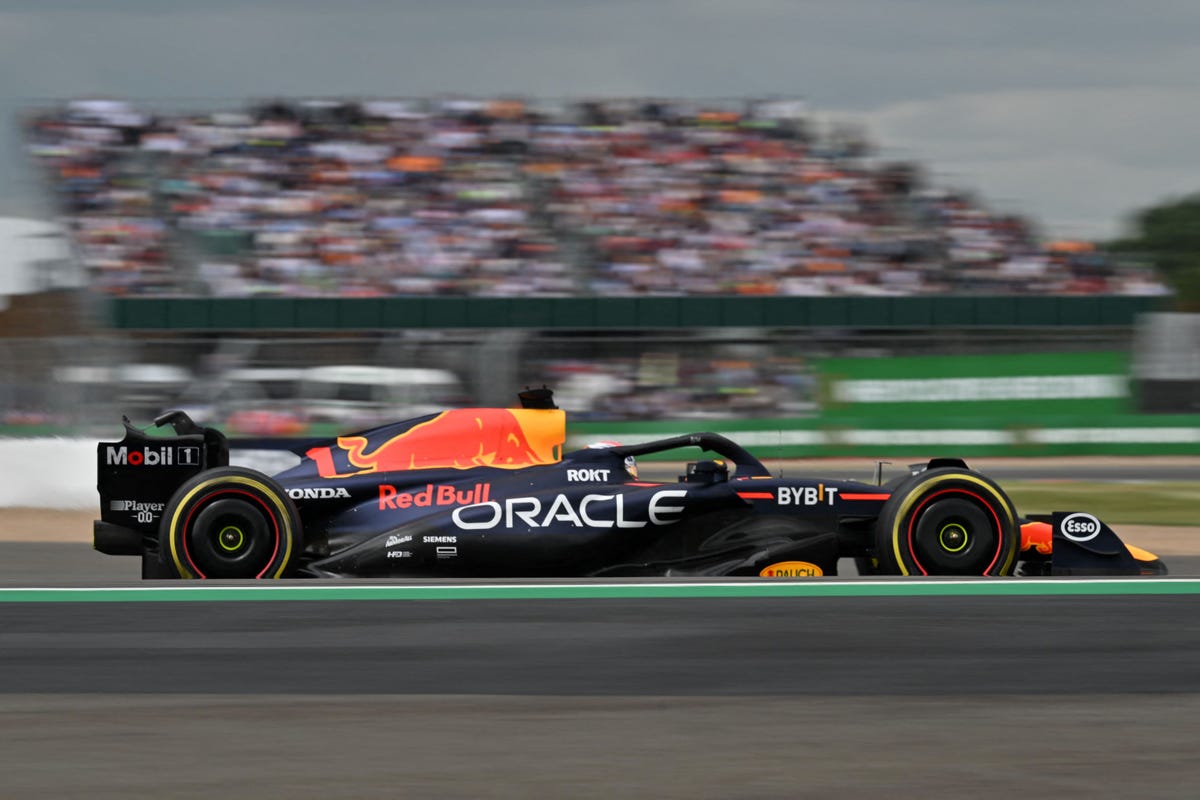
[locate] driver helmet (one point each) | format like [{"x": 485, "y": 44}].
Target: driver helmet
[{"x": 630, "y": 462}]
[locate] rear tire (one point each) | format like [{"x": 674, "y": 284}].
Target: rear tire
[
  {"x": 231, "y": 522},
  {"x": 947, "y": 521}
]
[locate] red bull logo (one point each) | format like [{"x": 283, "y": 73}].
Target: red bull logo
[
  {"x": 457, "y": 439},
  {"x": 432, "y": 495},
  {"x": 1037, "y": 536}
]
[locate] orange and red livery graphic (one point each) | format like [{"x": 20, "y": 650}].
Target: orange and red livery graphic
[
  {"x": 461, "y": 438},
  {"x": 1038, "y": 536}
]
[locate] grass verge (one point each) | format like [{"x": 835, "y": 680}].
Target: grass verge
[{"x": 1152, "y": 503}]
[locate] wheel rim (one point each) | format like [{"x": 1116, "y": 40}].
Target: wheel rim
[
  {"x": 955, "y": 532},
  {"x": 953, "y": 537},
  {"x": 231, "y": 539}
]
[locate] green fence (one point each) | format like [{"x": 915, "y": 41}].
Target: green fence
[
  {"x": 644, "y": 313},
  {"x": 1031, "y": 404},
  {"x": 1013, "y": 387}
]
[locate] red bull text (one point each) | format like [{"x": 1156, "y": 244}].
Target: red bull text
[{"x": 432, "y": 495}]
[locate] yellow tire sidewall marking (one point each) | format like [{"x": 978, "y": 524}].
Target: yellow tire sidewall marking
[
  {"x": 920, "y": 491},
  {"x": 271, "y": 495}
]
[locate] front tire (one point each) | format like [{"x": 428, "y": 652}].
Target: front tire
[
  {"x": 947, "y": 521},
  {"x": 231, "y": 522}
]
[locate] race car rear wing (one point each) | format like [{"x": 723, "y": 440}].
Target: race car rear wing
[{"x": 137, "y": 476}]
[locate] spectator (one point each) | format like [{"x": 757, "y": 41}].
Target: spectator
[{"x": 497, "y": 198}]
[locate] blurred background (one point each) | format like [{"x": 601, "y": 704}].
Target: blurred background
[
  {"x": 860, "y": 228},
  {"x": 840, "y": 257}
]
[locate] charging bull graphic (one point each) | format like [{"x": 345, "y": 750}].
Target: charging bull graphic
[
  {"x": 1037, "y": 537},
  {"x": 457, "y": 439}
]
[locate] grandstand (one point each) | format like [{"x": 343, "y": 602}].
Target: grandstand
[
  {"x": 504, "y": 198},
  {"x": 654, "y": 260}
]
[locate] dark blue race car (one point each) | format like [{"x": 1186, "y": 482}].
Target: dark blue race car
[{"x": 487, "y": 492}]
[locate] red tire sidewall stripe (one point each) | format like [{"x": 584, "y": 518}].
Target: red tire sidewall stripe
[
  {"x": 912, "y": 521},
  {"x": 187, "y": 523}
]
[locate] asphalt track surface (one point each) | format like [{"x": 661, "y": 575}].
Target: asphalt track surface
[
  {"x": 1049, "y": 695},
  {"x": 784, "y": 697}
]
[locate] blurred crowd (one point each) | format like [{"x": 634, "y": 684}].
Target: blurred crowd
[{"x": 505, "y": 197}]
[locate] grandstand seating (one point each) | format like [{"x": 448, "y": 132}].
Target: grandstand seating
[{"x": 503, "y": 198}]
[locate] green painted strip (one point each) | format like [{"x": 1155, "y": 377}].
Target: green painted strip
[{"x": 901, "y": 588}]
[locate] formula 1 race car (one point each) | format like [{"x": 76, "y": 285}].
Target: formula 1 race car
[{"x": 486, "y": 492}]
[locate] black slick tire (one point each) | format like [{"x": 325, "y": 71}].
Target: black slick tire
[
  {"x": 231, "y": 522},
  {"x": 947, "y": 521}
]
